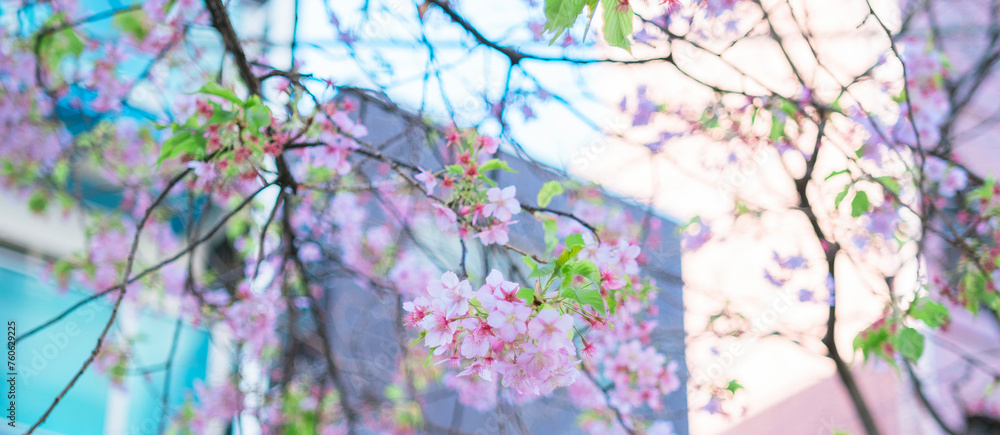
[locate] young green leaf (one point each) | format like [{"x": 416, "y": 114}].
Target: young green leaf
[
  {"x": 585, "y": 297},
  {"x": 258, "y": 116},
  {"x": 548, "y": 191},
  {"x": 734, "y": 386},
  {"x": 574, "y": 240},
  {"x": 38, "y": 202},
  {"x": 889, "y": 183},
  {"x": 530, "y": 262},
  {"x": 494, "y": 164},
  {"x": 60, "y": 44},
  {"x": 618, "y": 23},
  {"x": 133, "y": 23},
  {"x": 932, "y": 313},
  {"x": 528, "y": 294},
  {"x": 561, "y": 14},
  {"x": 910, "y": 344},
  {"x": 836, "y": 173},
  {"x": 220, "y": 115},
  {"x": 840, "y": 196},
  {"x": 859, "y": 205},
  {"x": 551, "y": 240},
  {"x": 574, "y": 244},
  {"x": 777, "y": 129},
  {"x": 586, "y": 269},
  {"x": 212, "y": 88}
]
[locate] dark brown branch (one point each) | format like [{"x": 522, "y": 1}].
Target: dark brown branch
[{"x": 121, "y": 296}]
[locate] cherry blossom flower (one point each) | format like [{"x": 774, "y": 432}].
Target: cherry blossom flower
[
  {"x": 611, "y": 280},
  {"x": 509, "y": 320},
  {"x": 451, "y": 294},
  {"x": 418, "y": 309},
  {"x": 488, "y": 144},
  {"x": 550, "y": 329},
  {"x": 503, "y": 204},
  {"x": 444, "y": 217},
  {"x": 428, "y": 179},
  {"x": 485, "y": 294},
  {"x": 477, "y": 342},
  {"x": 440, "y": 331},
  {"x": 348, "y": 126},
  {"x": 954, "y": 181},
  {"x": 495, "y": 234}
]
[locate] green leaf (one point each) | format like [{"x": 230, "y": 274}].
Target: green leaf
[
  {"x": 60, "y": 44},
  {"x": 258, "y": 116},
  {"x": 910, "y": 343},
  {"x": 974, "y": 286},
  {"x": 574, "y": 240},
  {"x": 528, "y": 294},
  {"x": 859, "y": 205},
  {"x": 494, "y": 164},
  {"x": 841, "y": 196},
  {"x": 220, "y": 115},
  {"x": 932, "y": 313},
  {"x": 62, "y": 270},
  {"x": 789, "y": 107},
  {"x": 133, "y": 23},
  {"x": 550, "y": 226},
  {"x": 543, "y": 270},
  {"x": 183, "y": 142},
  {"x": 570, "y": 252},
  {"x": 592, "y": 7},
  {"x": 734, "y": 386},
  {"x": 393, "y": 392},
  {"x": 585, "y": 297},
  {"x": 212, "y": 88},
  {"x": 548, "y": 191},
  {"x": 901, "y": 98},
  {"x": 60, "y": 173},
  {"x": 171, "y": 146},
  {"x": 488, "y": 180},
  {"x": 612, "y": 302},
  {"x": 530, "y": 262},
  {"x": 889, "y": 183},
  {"x": 872, "y": 342},
  {"x": 992, "y": 300},
  {"x": 560, "y": 15},
  {"x": 777, "y": 129},
  {"x": 835, "y": 173},
  {"x": 38, "y": 202},
  {"x": 586, "y": 269},
  {"x": 617, "y": 24},
  {"x": 709, "y": 121}
]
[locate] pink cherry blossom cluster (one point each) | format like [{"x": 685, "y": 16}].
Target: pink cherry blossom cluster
[
  {"x": 491, "y": 334},
  {"x": 485, "y": 213},
  {"x": 949, "y": 179},
  {"x": 924, "y": 82},
  {"x": 250, "y": 316},
  {"x": 502, "y": 206},
  {"x": 217, "y": 404},
  {"x": 338, "y": 134}
]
